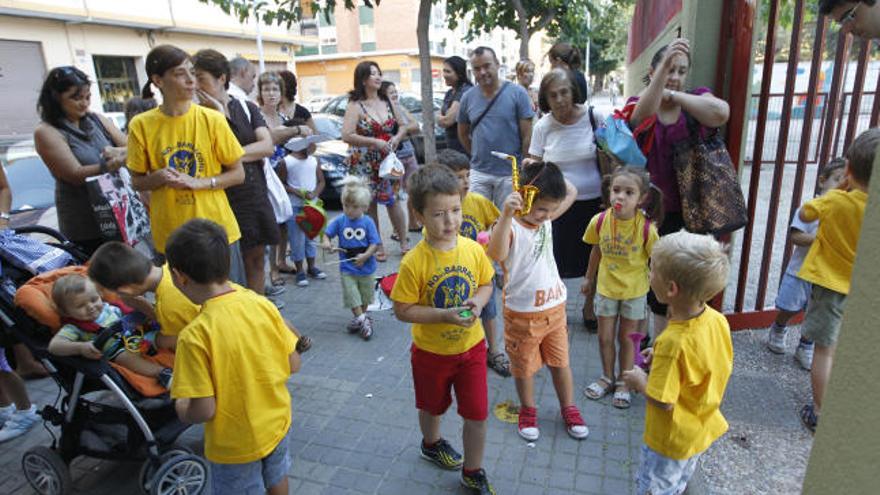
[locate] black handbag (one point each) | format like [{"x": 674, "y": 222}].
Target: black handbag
[{"x": 712, "y": 200}]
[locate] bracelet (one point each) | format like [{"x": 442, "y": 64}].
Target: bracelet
[{"x": 213, "y": 182}]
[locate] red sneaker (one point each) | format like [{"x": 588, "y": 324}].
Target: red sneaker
[
  {"x": 574, "y": 423},
  {"x": 528, "y": 423}
]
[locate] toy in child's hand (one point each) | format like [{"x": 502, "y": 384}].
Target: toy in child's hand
[
  {"x": 466, "y": 313},
  {"x": 638, "y": 359},
  {"x": 483, "y": 238},
  {"x": 528, "y": 191}
]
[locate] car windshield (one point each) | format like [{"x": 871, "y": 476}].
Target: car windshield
[{"x": 31, "y": 183}]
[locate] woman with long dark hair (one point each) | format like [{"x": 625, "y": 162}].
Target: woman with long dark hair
[
  {"x": 185, "y": 154},
  {"x": 455, "y": 76},
  {"x": 370, "y": 127},
  {"x": 75, "y": 144}
]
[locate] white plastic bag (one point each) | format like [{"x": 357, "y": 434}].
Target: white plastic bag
[
  {"x": 277, "y": 195},
  {"x": 391, "y": 168}
]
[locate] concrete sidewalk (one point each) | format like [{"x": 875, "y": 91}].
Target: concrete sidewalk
[{"x": 356, "y": 430}]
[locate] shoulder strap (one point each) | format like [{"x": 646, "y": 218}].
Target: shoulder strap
[
  {"x": 247, "y": 111},
  {"x": 489, "y": 106},
  {"x": 599, "y": 221},
  {"x": 646, "y": 231},
  {"x": 592, "y": 123}
]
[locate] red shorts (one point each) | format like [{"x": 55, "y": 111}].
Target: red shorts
[{"x": 435, "y": 375}]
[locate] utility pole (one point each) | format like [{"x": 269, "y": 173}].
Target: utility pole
[
  {"x": 587, "y": 59},
  {"x": 262, "y": 62}
]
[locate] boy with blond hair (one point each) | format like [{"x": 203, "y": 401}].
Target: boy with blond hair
[
  {"x": 691, "y": 362},
  {"x": 443, "y": 285},
  {"x": 829, "y": 262},
  {"x": 232, "y": 365}
]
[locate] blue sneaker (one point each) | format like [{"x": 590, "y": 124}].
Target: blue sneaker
[
  {"x": 316, "y": 272},
  {"x": 20, "y": 423}
]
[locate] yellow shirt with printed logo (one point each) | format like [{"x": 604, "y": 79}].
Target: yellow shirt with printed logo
[
  {"x": 477, "y": 215},
  {"x": 623, "y": 271},
  {"x": 197, "y": 143},
  {"x": 443, "y": 279},
  {"x": 174, "y": 311},
  {"x": 692, "y": 363},
  {"x": 829, "y": 261},
  {"x": 237, "y": 351}
]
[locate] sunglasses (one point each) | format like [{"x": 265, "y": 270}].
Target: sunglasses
[{"x": 69, "y": 71}]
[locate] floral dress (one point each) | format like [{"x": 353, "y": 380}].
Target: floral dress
[{"x": 363, "y": 161}]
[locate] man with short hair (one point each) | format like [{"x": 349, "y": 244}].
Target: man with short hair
[
  {"x": 241, "y": 78},
  {"x": 494, "y": 116},
  {"x": 862, "y": 17}
]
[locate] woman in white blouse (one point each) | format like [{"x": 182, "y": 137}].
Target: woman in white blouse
[{"x": 564, "y": 136}]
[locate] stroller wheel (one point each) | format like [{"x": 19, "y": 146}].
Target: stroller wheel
[
  {"x": 183, "y": 474},
  {"x": 46, "y": 471},
  {"x": 149, "y": 468}
]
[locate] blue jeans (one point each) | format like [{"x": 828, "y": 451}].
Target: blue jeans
[
  {"x": 253, "y": 478},
  {"x": 301, "y": 247}
]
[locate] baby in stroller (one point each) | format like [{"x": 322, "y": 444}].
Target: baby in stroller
[{"x": 86, "y": 316}]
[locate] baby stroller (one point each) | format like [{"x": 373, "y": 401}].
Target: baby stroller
[{"x": 102, "y": 414}]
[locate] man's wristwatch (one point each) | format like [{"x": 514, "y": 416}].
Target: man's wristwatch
[
  {"x": 213, "y": 183},
  {"x": 5, "y": 216}
]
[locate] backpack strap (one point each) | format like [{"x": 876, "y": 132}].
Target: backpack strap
[
  {"x": 91, "y": 326},
  {"x": 593, "y": 125},
  {"x": 646, "y": 231},
  {"x": 599, "y": 221}
]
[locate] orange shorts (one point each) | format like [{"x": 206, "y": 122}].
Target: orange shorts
[{"x": 535, "y": 339}]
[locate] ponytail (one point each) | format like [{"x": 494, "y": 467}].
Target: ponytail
[
  {"x": 147, "y": 91},
  {"x": 653, "y": 205}
]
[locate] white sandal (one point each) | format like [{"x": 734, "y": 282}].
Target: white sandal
[{"x": 596, "y": 391}]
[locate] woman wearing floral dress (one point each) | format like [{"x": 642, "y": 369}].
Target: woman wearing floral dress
[{"x": 369, "y": 128}]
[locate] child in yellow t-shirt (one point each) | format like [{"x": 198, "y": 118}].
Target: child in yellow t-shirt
[
  {"x": 118, "y": 267},
  {"x": 232, "y": 365},
  {"x": 625, "y": 235},
  {"x": 443, "y": 286},
  {"x": 829, "y": 262},
  {"x": 691, "y": 362},
  {"x": 478, "y": 214}
]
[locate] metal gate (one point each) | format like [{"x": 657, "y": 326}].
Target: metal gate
[{"x": 786, "y": 147}]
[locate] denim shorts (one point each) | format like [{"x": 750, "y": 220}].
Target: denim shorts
[
  {"x": 794, "y": 293},
  {"x": 253, "y": 478},
  {"x": 660, "y": 475}
]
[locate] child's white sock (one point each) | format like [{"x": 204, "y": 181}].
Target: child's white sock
[{"x": 362, "y": 317}]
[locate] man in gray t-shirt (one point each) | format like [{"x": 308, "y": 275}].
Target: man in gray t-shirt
[{"x": 506, "y": 127}]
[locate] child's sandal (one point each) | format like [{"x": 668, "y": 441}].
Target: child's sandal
[
  {"x": 596, "y": 390},
  {"x": 303, "y": 344},
  {"x": 809, "y": 417},
  {"x": 621, "y": 399}
]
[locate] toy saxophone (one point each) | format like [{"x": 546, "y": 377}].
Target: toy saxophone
[{"x": 528, "y": 191}]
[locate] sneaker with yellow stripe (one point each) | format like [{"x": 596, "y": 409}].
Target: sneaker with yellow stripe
[{"x": 442, "y": 454}]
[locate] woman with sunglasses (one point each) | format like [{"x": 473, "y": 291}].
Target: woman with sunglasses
[{"x": 75, "y": 144}]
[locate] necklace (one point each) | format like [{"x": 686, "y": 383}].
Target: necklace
[{"x": 439, "y": 272}]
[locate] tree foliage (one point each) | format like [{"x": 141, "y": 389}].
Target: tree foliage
[{"x": 286, "y": 12}]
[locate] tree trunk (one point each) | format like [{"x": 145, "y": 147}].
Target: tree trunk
[
  {"x": 522, "y": 21},
  {"x": 427, "y": 81},
  {"x": 524, "y": 37}
]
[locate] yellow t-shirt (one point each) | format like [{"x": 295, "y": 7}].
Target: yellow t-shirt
[
  {"x": 829, "y": 261},
  {"x": 477, "y": 214},
  {"x": 173, "y": 310},
  {"x": 692, "y": 362},
  {"x": 196, "y": 143},
  {"x": 623, "y": 270},
  {"x": 237, "y": 351},
  {"x": 443, "y": 279}
]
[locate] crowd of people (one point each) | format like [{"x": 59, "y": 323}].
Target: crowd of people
[{"x": 200, "y": 158}]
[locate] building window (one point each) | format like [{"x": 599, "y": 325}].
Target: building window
[
  {"x": 368, "y": 47},
  {"x": 328, "y": 49},
  {"x": 117, "y": 81},
  {"x": 391, "y": 75},
  {"x": 303, "y": 51},
  {"x": 365, "y": 14},
  {"x": 328, "y": 19}
]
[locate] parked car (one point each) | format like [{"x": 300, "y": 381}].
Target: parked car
[
  {"x": 33, "y": 190},
  {"x": 332, "y": 155},
  {"x": 413, "y": 104},
  {"x": 316, "y": 103}
]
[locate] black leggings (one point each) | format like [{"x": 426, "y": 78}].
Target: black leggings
[
  {"x": 672, "y": 222},
  {"x": 569, "y": 249}
]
